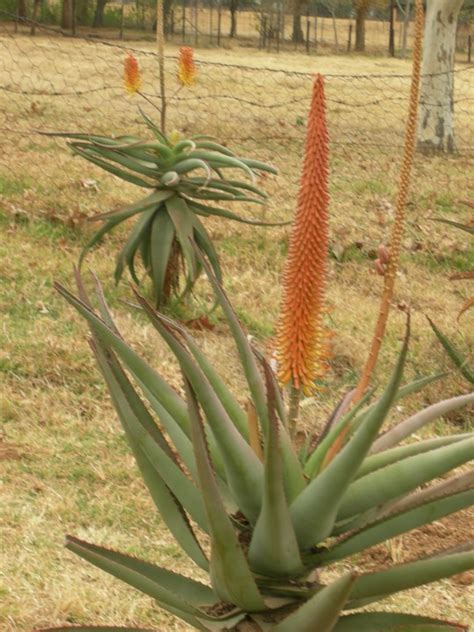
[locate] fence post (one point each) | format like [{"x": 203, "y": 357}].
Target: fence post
[
  {"x": 391, "y": 36},
  {"x": 307, "y": 32},
  {"x": 196, "y": 21},
  {"x": 349, "y": 39},
  {"x": 121, "y": 19},
  {"x": 183, "y": 33},
  {"x": 34, "y": 17},
  {"x": 264, "y": 32},
  {"x": 219, "y": 20},
  {"x": 210, "y": 22},
  {"x": 469, "y": 48},
  {"x": 315, "y": 31}
]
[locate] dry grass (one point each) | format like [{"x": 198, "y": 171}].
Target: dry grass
[{"x": 67, "y": 468}]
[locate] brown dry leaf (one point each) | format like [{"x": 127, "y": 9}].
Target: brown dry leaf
[{"x": 467, "y": 305}]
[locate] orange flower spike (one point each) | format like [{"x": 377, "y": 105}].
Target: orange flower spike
[
  {"x": 186, "y": 66},
  {"x": 132, "y": 78},
  {"x": 301, "y": 336}
]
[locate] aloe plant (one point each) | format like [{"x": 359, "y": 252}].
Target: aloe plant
[
  {"x": 186, "y": 181},
  {"x": 274, "y": 518}
]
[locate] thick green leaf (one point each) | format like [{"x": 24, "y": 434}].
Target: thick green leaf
[
  {"x": 179, "y": 595},
  {"x": 395, "y": 525},
  {"x": 230, "y": 403},
  {"x": 244, "y": 470},
  {"x": 321, "y": 612},
  {"x": 120, "y": 157},
  {"x": 231, "y": 576},
  {"x": 375, "y": 586},
  {"x": 161, "y": 241},
  {"x": 212, "y": 146},
  {"x": 140, "y": 369},
  {"x": 182, "y": 219},
  {"x": 392, "y": 622},
  {"x": 168, "y": 486},
  {"x": 222, "y": 161},
  {"x": 204, "y": 242},
  {"x": 154, "y": 128},
  {"x": 453, "y": 352},
  {"x": 399, "y": 478},
  {"x": 122, "y": 214},
  {"x": 381, "y": 459},
  {"x": 314, "y": 511},
  {"x": 120, "y": 173},
  {"x": 408, "y": 426},
  {"x": 273, "y": 548},
  {"x": 233, "y": 186},
  {"x": 315, "y": 460},
  {"x": 205, "y": 210},
  {"x": 137, "y": 234},
  {"x": 93, "y": 628},
  {"x": 293, "y": 475}
]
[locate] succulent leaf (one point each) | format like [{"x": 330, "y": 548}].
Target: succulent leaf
[{"x": 393, "y": 622}]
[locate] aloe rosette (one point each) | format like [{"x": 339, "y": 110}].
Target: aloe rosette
[
  {"x": 186, "y": 182},
  {"x": 274, "y": 523}
]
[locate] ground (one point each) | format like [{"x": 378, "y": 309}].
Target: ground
[{"x": 64, "y": 463}]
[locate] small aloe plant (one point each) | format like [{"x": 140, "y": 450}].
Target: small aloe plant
[
  {"x": 185, "y": 179},
  {"x": 274, "y": 519}
]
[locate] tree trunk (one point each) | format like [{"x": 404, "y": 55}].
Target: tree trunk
[
  {"x": 334, "y": 26},
  {"x": 67, "y": 14},
  {"x": 436, "y": 122},
  {"x": 361, "y": 15},
  {"x": 21, "y": 9},
  {"x": 406, "y": 23},
  {"x": 297, "y": 35},
  {"x": 99, "y": 13},
  {"x": 233, "y": 17}
]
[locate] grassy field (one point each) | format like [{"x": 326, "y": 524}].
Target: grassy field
[{"x": 64, "y": 464}]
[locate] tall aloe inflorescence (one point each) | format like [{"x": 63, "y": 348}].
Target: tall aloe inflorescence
[
  {"x": 301, "y": 335},
  {"x": 273, "y": 525}
]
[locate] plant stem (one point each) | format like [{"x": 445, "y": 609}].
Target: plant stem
[
  {"x": 295, "y": 396},
  {"x": 160, "y": 36}
]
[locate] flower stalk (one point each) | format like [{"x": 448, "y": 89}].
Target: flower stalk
[{"x": 300, "y": 331}]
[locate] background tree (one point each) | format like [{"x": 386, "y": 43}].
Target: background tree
[
  {"x": 436, "y": 122},
  {"x": 362, "y": 11},
  {"x": 21, "y": 9},
  {"x": 98, "y": 13},
  {"x": 67, "y": 14}
]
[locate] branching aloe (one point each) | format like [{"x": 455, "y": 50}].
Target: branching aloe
[
  {"x": 186, "y": 182},
  {"x": 273, "y": 524}
]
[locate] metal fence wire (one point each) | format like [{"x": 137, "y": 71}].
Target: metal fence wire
[{"x": 56, "y": 83}]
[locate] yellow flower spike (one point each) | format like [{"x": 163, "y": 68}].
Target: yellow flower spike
[
  {"x": 186, "y": 66},
  {"x": 301, "y": 335},
  {"x": 174, "y": 137},
  {"x": 132, "y": 78}
]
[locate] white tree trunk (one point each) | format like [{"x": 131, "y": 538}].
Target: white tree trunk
[{"x": 436, "y": 123}]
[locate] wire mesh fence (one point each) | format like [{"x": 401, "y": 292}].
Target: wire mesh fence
[{"x": 52, "y": 83}]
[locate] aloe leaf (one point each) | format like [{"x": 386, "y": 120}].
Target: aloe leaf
[
  {"x": 161, "y": 241},
  {"x": 418, "y": 385},
  {"x": 120, "y": 173},
  {"x": 450, "y": 485},
  {"x": 395, "y": 525},
  {"x": 234, "y": 186},
  {"x": 182, "y": 219},
  {"x": 399, "y": 478},
  {"x": 243, "y": 469},
  {"x": 231, "y": 576},
  {"x": 230, "y": 403},
  {"x": 273, "y": 548},
  {"x": 315, "y": 460},
  {"x": 293, "y": 477},
  {"x": 204, "y": 242},
  {"x": 179, "y": 595},
  {"x": 103, "y": 230},
  {"x": 376, "y": 586},
  {"x": 393, "y": 622},
  {"x": 122, "y": 214},
  {"x": 419, "y": 419},
  {"x": 127, "y": 253},
  {"x": 212, "y": 146},
  {"x": 190, "y": 164},
  {"x": 466, "y": 227},
  {"x": 453, "y": 352},
  {"x": 206, "y": 211},
  {"x": 121, "y": 158},
  {"x": 387, "y": 457},
  {"x": 259, "y": 166},
  {"x": 220, "y": 160},
  {"x": 322, "y": 611},
  {"x": 147, "y": 439},
  {"x": 314, "y": 511},
  {"x": 94, "y": 628},
  {"x": 154, "y": 128},
  {"x": 140, "y": 369}
]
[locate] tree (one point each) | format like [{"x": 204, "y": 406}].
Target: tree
[
  {"x": 436, "y": 122},
  {"x": 233, "y": 6},
  {"x": 21, "y": 9},
  {"x": 67, "y": 14},
  {"x": 362, "y": 9},
  {"x": 99, "y": 13}
]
